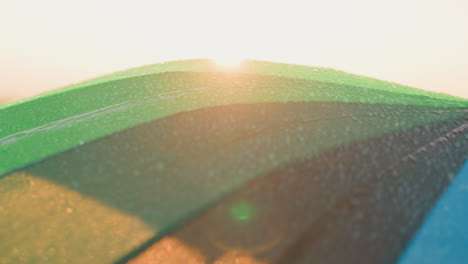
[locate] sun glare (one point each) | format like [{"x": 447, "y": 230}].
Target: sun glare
[{"x": 227, "y": 61}]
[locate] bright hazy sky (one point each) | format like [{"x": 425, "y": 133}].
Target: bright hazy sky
[{"x": 51, "y": 43}]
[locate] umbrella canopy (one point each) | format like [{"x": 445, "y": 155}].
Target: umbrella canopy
[{"x": 192, "y": 162}]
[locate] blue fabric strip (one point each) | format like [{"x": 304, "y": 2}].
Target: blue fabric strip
[{"x": 443, "y": 237}]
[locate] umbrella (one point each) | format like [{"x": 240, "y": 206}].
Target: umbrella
[{"x": 194, "y": 162}]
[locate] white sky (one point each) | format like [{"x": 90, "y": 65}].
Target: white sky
[{"x": 51, "y": 43}]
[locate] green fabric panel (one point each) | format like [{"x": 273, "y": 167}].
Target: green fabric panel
[
  {"x": 43, "y": 126},
  {"x": 261, "y": 68}
]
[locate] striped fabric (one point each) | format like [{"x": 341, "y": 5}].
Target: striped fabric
[{"x": 191, "y": 162}]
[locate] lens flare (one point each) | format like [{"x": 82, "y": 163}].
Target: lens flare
[{"x": 242, "y": 211}]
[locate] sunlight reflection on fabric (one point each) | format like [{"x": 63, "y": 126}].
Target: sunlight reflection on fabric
[
  {"x": 52, "y": 210},
  {"x": 174, "y": 250}
]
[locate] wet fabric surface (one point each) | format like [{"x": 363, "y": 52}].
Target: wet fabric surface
[
  {"x": 279, "y": 182},
  {"x": 328, "y": 210}
]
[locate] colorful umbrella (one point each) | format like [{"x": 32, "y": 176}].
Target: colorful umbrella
[{"x": 193, "y": 162}]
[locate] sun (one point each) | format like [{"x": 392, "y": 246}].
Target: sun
[{"x": 228, "y": 61}]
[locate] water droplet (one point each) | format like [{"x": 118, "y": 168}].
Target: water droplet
[{"x": 159, "y": 166}]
